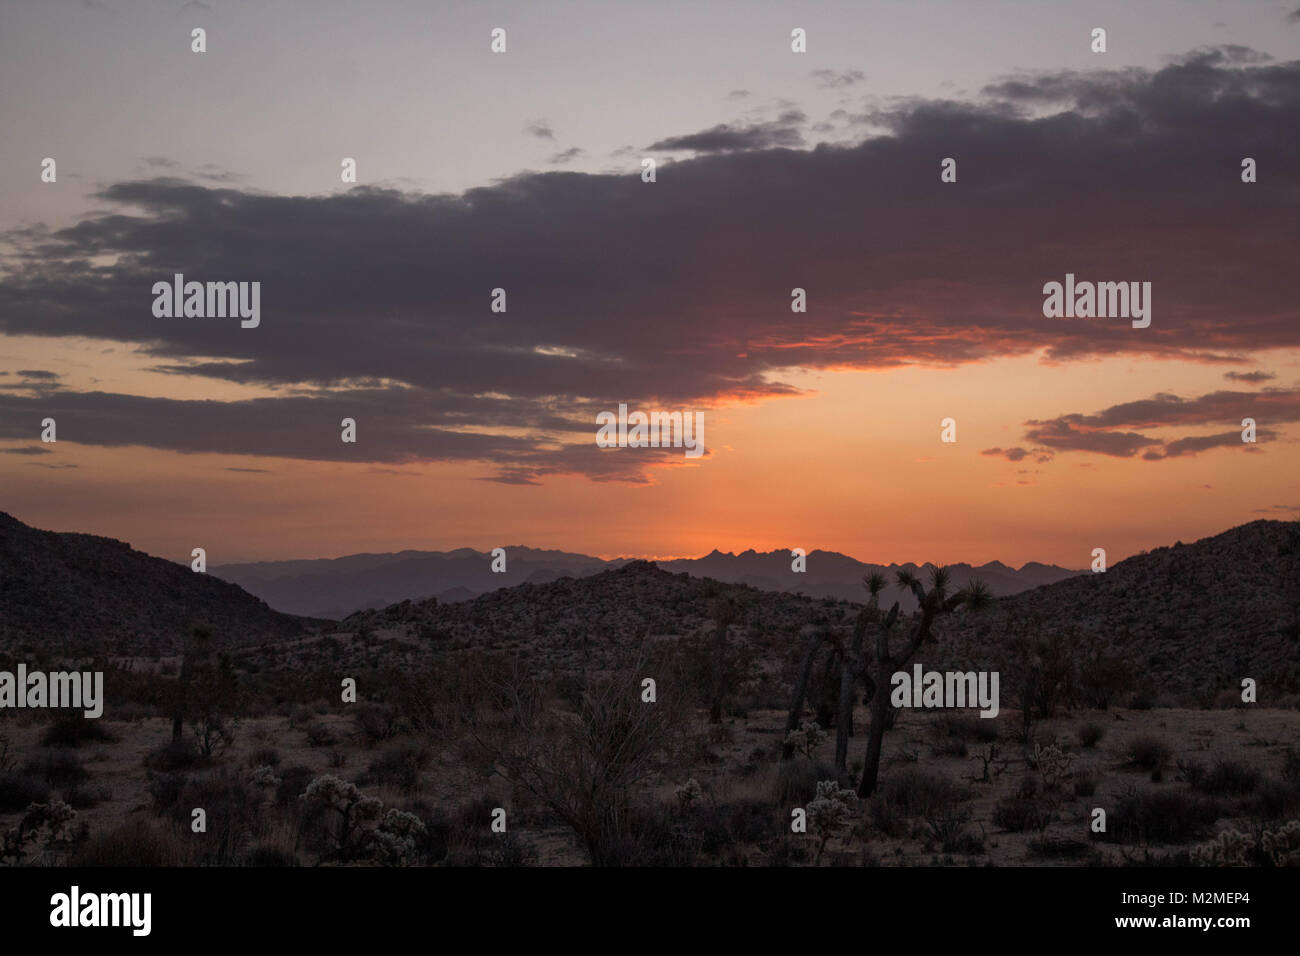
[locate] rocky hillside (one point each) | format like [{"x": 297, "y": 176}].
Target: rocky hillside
[
  {"x": 65, "y": 593},
  {"x": 1190, "y": 620},
  {"x": 560, "y": 621}
]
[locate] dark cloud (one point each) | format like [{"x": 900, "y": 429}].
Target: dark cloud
[
  {"x": 1010, "y": 454},
  {"x": 375, "y": 302},
  {"x": 27, "y": 449},
  {"x": 1103, "y": 433},
  {"x": 1062, "y": 435},
  {"x": 781, "y": 132},
  {"x": 541, "y": 129},
  {"x": 39, "y": 373},
  {"x": 1199, "y": 443},
  {"x": 565, "y": 156},
  {"x": 838, "y": 79},
  {"x": 252, "y": 471},
  {"x": 1293, "y": 16},
  {"x": 1252, "y": 378}
]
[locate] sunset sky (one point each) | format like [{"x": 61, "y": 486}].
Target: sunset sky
[{"x": 776, "y": 170}]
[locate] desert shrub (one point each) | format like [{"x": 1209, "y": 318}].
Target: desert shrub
[
  {"x": 86, "y": 795},
  {"x": 1144, "y": 699},
  {"x": 265, "y": 855},
  {"x": 1090, "y": 734},
  {"x": 1058, "y": 848},
  {"x": 17, "y": 790},
  {"x": 376, "y": 722},
  {"x": 1103, "y": 679},
  {"x": 787, "y": 851},
  {"x": 748, "y": 821},
  {"x": 318, "y": 735},
  {"x": 1275, "y": 800},
  {"x": 435, "y": 841},
  {"x": 1291, "y": 766},
  {"x": 1085, "y": 785},
  {"x": 911, "y": 794},
  {"x": 950, "y": 747},
  {"x": 1148, "y": 753},
  {"x": 398, "y": 766},
  {"x": 58, "y": 768},
  {"x": 979, "y": 729},
  {"x": 507, "y": 850},
  {"x": 915, "y": 793},
  {"x": 796, "y": 780},
  {"x": 1191, "y": 771},
  {"x": 264, "y": 757},
  {"x": 137, "y": 842},
  {"x": 233, "y": 808},
  {"x": 175, "y": 755},
  {"x": 1229, "y": 777},
  {"x": 293, "y": 781},
  {"x": 1160, "y": 816},
  {"x": 165, "y": 788},
  {"x": 73, "y": 730},
  {"x": 948, "y": 826},
  {"x": 1022, "y": 810}
]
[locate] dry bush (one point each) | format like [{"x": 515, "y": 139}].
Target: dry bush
[{"x": 584, "y": 764}]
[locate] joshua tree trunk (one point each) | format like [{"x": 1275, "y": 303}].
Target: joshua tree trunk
[
  {"x": 719, "y": 653},
  {"x": 816, "y": 636},
  {"x": 876, "y": 735},
  {"x": 849, "y": 675},
  {"x": 726, "y": 609}
]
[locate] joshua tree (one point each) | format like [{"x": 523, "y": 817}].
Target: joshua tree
[{"x": 933, "y": 604}]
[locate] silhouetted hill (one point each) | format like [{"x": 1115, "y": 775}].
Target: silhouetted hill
[
  {"x": 1188, "y": 619},
  {"x": 79, "y": 592}
]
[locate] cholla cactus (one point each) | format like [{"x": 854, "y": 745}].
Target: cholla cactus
[
  {"x": 330, "y": 794},
  {"x": 394, "y": 841},
  {"x": 264, "y": 777},
  {"x": 52, "y": 818},
  {"x": 1283, "y": 846},
  {"x": 1053, "y": 763},
  {"x": 1229, "y": 848},
  {"x": 689, "y": 792},
  {"x": 830, "y": 812},
  {"x": 1233, "y": 848},
  {"x": 807, "y": 738}
]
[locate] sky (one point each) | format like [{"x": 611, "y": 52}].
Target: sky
[{"x": 775, "y": 170}]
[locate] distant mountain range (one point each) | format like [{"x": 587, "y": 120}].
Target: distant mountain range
[{"x": 335, "y": 588}]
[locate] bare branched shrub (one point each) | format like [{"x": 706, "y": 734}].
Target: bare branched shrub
[{"x": 584, "y": 764}]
